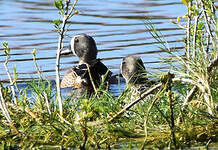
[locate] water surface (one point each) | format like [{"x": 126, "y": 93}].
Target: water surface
[{"x": 118, "y": 26}]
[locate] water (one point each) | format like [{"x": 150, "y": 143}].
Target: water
[{"x": 118, "y": 26}]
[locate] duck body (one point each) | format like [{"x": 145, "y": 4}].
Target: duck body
[
  {"x": 90, "y": 71},
  {"x": 79, "y": 76}
]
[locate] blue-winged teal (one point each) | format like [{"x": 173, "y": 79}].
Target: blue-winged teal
[
  {"x": 84, "y": 47},
  {"x": 133, "y": 71}
]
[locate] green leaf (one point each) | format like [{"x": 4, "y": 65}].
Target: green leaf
[
  {"x": 178, "y": 19},
  {"x": 15, "y": 73},
  {"x": 185, "y": 2},
  {"x": 57, "y": 23},
  {"x": 200, "y": 25},
  {"x": 59, "y": 4},
  {"x": 5, "y": 44},
  {"x": 34, "y": 52},
  {"x": 6, "y": 49}
]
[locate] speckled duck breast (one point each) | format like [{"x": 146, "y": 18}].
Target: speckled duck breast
[{"x": 79, "y": 76}]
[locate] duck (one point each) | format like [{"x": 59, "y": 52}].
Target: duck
[
  {"x": 134, "y": 73},
  {"x": 133, "y": 70},
  {"x": 90, "y": 72}
]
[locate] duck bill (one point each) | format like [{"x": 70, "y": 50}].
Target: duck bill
[{"x": 66, "y": 52}]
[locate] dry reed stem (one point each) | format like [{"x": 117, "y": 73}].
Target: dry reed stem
[
  {"x": 195, "y": 34},
  {"x": 189, "y": 97},
  {"x": 90, "y": 75},
  {"x": 188, "y": 30},
  {"x": 47, "y": 103},
  {"x": 11, "y": 82},
  {"x": 32, "y": 114},
  {"x": 207, "y": 22}
]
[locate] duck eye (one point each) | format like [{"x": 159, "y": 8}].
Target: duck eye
[{"x": 76, "y": 40}]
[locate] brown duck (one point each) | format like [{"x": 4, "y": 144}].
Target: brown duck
[
  {"x": 90, "y": 72},
  {"x": 133, "y": 71}
]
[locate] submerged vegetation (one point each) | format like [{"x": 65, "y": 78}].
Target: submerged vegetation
[{"x": 182, "y": 111}]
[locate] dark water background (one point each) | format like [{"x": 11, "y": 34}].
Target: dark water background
[{"x": 118, "y": 26}]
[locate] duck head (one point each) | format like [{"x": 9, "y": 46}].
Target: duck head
[
  {"x": 84, "y": 47},
  {"x": 133, "y": 70}
]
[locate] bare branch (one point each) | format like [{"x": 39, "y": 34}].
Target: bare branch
[{"x": 60, "y": 41}]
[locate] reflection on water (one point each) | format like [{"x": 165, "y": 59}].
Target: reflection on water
[{"x": 119, "y": 28}]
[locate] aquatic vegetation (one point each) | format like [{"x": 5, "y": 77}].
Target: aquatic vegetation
[{"x": 182, "y": 111}]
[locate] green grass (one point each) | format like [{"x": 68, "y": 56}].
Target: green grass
[{"x": 86, "y": 122}]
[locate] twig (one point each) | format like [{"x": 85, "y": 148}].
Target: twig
[
  {"x": 15, "y": 83},
  {"x": 71, "y": 10},
  {"x": 146, "y": 93},
  {"x": 188, "y": 30},
  {"x": 207, "y": 145},
  {"x": 61, "y": 36},
  {"x": 60, "y": 41},
  {"x": 149, "y": 91},
  {"x": 11, "y": 82}
]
